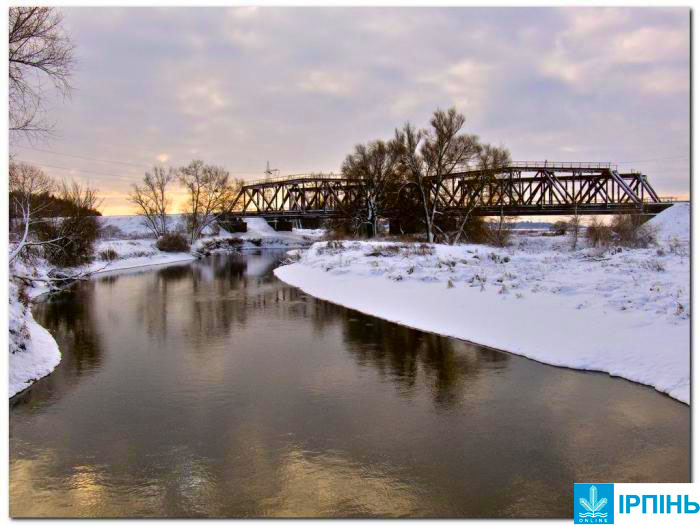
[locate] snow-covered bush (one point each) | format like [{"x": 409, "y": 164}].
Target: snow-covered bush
[
  {"x": 108, "y": 255},
  {"x": 173, "y": 242}
]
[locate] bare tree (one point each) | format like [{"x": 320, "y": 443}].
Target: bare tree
[
  {"x": 575, "y": 227},
  {"x": 152, "y": 201},
  {"x": 491, "y": 159},
  {"x": 73, "y": 234},
  {"x": 208, "y": 192},
  {"x": 234, "y": 202},
  {"x": 65, "y": 239},
  {"x": 27, "y": 186},
  {"x": 374, "y": 167},
  {"x": 429, "y": 155},
  {"x": 38, "y": 47}
]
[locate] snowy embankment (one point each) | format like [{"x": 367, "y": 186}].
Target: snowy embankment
[
  {"x": 134, "y": 245},
  {"x": 33, "y": 351},
  {"x": 620, "y": 311}
]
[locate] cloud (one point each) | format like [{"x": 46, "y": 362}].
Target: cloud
[
  {"x": 202, "y": 96},
  {"x": 339, "y": 84},
  {"x": 300, "y": 86},
  {"x": 466, "y": 85}
]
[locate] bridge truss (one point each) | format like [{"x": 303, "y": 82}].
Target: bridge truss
[{"x": 524, "y": 188}]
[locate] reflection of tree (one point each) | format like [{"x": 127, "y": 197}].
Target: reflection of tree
[
  {"x": 69, "y": 316},
  {"x": 208, "y": 299},
  {"x": 407, "y": 356}
]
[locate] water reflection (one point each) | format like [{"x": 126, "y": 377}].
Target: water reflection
[
  {"x": 405, "y": 356},
  {"x": 213, "y": 389}
]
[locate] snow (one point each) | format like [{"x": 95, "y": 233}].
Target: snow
[
  {"x": 620, "y": 311},
  {"x": 33, "y": 351},
  {"x": 673, "y": 223},
  {"x": 134, "y": 226},
  {"x": 134, "y": 253}
]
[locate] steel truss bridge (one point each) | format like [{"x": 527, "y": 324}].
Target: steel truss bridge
[{"x": 522, "y": 188}]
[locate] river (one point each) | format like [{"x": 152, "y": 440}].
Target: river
[{"x": 215, "y": 389}]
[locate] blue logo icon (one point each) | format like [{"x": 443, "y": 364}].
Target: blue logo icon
[{"x": 594, "y": 503}]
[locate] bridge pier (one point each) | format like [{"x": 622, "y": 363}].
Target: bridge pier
[
  {"x": 403, "y": 225},
  {"x": 281, "y": 225}
]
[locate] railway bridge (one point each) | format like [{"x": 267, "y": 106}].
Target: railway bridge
[{"x": 521, "y": 188}]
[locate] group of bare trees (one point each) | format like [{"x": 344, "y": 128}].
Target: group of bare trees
[
  {"x": 413, "y": 167},
  {"x": 56, "y": 220},
  {"x": 210, "y": 191}
]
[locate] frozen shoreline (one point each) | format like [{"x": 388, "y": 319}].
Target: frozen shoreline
[
  {"x": 41, "y": 355},
  {"x": 622, "y": 312}
]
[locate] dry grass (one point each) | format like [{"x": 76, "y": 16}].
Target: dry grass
[{"x": 404, "y": 250}]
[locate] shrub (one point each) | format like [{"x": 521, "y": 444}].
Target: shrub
[
  {"x": 476, "y": 230},
  {"x": 108, "y": 255},
  {"x": 173, "y": 242},
  {"x": 678, "y": 247},
  {"x": 598, "y": 234},
  {"x": 653, "y": 265},
  {"x": 631, "y": 231},
  {"x": 72, "y": 240},
  {"x": 501, "y": 232},
  {"x": 560, "y": 228}
]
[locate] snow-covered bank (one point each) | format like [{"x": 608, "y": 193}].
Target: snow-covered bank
[
  {"x": 133, "y": 252},
  {"x": 621, "y": 311},
  {"x": 33, "y": 351},
  {"x": 133, "y": 227}
]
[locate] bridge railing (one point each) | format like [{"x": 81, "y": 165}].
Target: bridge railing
[
  {"x": 466, "y": 167},
  {"x": 550, "y": 164},
  {"x": 300, "y": 176}
]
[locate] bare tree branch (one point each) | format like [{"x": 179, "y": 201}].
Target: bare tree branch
[{"x": 38, "y": 49}]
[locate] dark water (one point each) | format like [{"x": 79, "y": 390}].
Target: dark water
[{"x": 213, "y": 389}]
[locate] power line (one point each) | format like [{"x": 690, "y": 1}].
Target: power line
[
  {"x": 142, "y": 166},
  {"x": 651, "y": 160},
  {"x": 98, "y": 174},
  {"x": 73, "y": 169},
  {"x": 85, "y": 158}
]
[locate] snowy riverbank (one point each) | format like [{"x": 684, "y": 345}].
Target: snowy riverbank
[
  {"x": 33, "y": 351},
  {"x": 620, "y": 311}
]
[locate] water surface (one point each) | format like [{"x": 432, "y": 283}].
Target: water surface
[{"x": 214, "y": 389}]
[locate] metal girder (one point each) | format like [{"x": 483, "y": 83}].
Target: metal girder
[{"x": 519, "y": 189}]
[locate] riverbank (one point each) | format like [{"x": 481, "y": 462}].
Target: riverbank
[
  {"x": 621, "y": 311},
  {"x": 34, "y": 353}
]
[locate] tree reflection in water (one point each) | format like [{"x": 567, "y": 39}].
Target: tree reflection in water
[{"x": 69, "y": 316}]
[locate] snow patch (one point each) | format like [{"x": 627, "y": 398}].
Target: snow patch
[
  {"x": 33, "y": 351},
  {"x": 621, "y": 311},
  {"x": 673, "y": 223}
]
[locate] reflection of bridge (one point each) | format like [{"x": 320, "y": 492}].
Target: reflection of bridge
[{"x": 522, "y": 188}]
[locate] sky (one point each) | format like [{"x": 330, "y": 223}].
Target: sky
[{"x": 299, "y": 87}]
